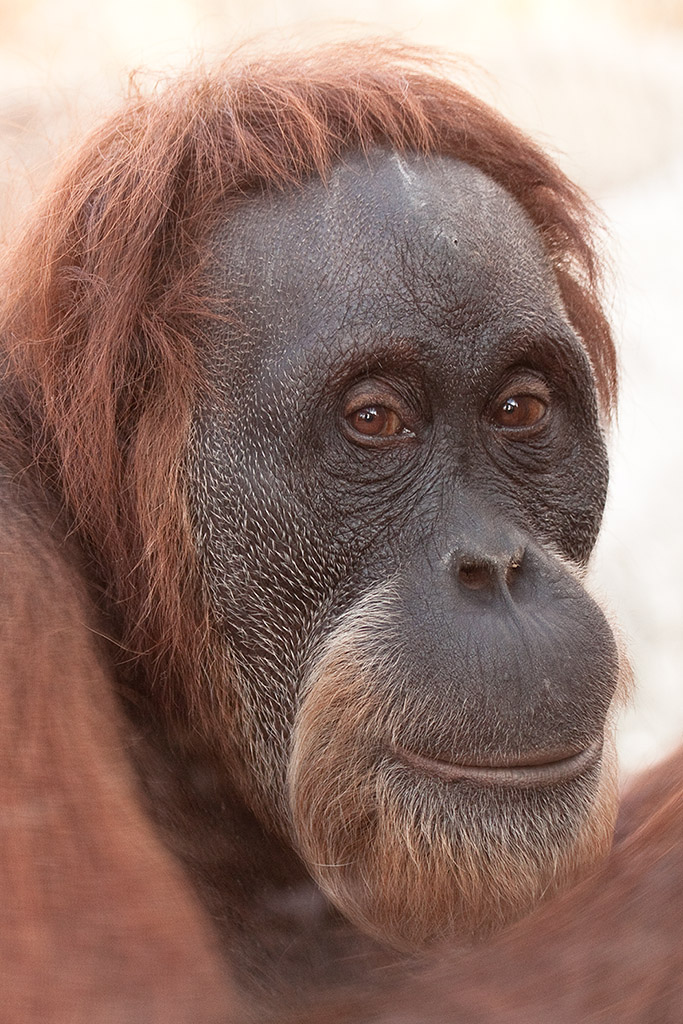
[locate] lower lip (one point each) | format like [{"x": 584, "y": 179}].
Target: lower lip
[{"x": 533, "y": 775}]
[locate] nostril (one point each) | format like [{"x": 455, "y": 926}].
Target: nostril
[
  {"x": 475, "y": 575},
  {"x": 477, "y": 572}
]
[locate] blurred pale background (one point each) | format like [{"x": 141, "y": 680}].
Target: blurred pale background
[{"x": 599, "y": 82}]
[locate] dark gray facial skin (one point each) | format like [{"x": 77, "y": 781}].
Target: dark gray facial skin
[
  {"x": 419, "y": 289},
  {"x": 423, "y": 281}
]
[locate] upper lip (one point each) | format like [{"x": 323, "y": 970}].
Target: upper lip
[{"x": 530, "y": 771}]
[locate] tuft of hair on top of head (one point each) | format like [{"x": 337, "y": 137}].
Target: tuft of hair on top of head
[{"x": 104, "y": 302}]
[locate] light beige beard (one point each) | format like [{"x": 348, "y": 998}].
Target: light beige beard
[{"x": 410, "y": 859}]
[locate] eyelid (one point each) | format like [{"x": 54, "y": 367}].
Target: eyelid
[
  {"x": 376, "y": 392},
  {"x": 524, "y": 382}
]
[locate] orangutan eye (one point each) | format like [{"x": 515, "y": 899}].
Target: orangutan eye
[
  {"x": 376, "y": 412},
  {"x": 519, "y": 412},
  {"x": 376, "y": 421}
]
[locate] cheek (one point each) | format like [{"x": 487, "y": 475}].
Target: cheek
[
  {"x": 572, "y": 517},
  {"x": 564, "y": 505},
  {"x": 283, "y": 541},
  {"x": 584, "y": 479},
  {"x": 271, "y": 595},
  {"x": 255, "y": 539},
  {"x": 556, "y": 483}
]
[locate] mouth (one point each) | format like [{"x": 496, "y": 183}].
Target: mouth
[{"x": 527, "y": 774}]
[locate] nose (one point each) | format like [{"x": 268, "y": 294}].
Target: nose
[{"x": 487, "y": 570}]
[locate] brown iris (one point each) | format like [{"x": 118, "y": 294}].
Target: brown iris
[
  {"x": 375, "y": 421},
  {"x": 519, "y": 411}
]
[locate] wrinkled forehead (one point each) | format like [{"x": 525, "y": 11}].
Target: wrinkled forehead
[{"x": 403, "y": 244}]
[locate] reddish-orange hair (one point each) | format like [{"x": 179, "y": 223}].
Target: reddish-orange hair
[{"x": 104, "y": 307}]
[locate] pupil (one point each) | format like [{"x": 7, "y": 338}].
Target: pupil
[
  {"x": 511, "y": 406},
  {"x": 372, "y": 420}
]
